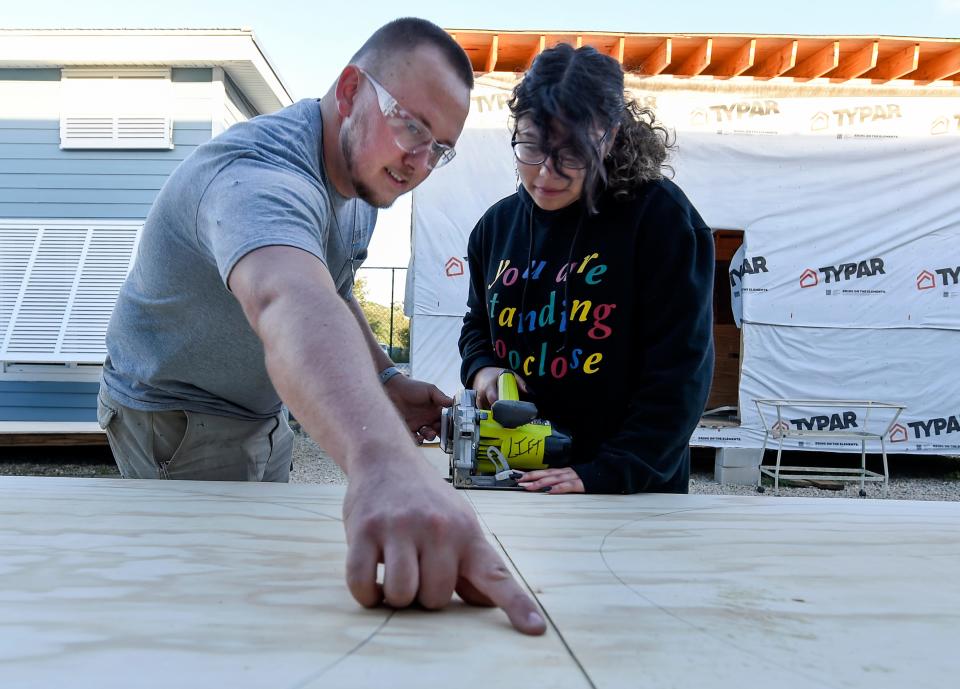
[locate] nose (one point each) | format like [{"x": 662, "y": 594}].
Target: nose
[
  {"x": 547, "y": 168},
  {"x": 418, "y": 161}
]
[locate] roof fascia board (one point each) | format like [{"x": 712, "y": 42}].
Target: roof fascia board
[{"x": 168, "y": 48}]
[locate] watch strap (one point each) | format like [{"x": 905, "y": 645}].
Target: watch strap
[{"x": 388, "y": 373}]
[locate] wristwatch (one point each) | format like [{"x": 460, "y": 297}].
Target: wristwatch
[{"x": 388, "y": 373}]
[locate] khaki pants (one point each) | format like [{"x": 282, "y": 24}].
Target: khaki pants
[{"x": 193, "y": 446}]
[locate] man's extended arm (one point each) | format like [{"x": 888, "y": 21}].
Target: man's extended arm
[
  {"x": 380, "y": 358},
  {"x": 398, "y": 510}
]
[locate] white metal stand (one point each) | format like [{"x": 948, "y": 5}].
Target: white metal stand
[{"x": 781, "y": 429}]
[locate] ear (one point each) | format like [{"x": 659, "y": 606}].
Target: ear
[{"x": 348, "y": 86}]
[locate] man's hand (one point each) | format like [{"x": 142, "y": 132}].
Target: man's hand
[
  {"x": 485, "y": 383},
  {"x": 419, "y": 403},
  {"x": 563, "y": 480},
  {"x": 404, "y": 515},
  {"x": 398, "y": 510}
]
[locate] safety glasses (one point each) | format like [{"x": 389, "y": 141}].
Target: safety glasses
[{"x": 409, "y": 133}]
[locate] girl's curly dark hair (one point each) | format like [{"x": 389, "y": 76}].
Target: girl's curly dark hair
[{"x": 578, "y": 91}]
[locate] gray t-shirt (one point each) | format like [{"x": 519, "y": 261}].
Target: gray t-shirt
[{"x": 178, "y": 339}]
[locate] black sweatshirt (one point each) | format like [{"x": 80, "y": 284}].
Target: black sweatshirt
[{"x": 608, "y": 318}]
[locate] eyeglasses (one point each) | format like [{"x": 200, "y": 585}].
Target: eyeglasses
[
  {"x": 530, "y": 153},
  {"x": 409, "y": 133}
]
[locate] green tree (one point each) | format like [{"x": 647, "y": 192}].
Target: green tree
[{"x": 378, "y": 315}]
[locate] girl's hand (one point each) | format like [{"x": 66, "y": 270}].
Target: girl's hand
[
  {"x": 485, "y": 383},
  {"x": 563, "y": 480}
]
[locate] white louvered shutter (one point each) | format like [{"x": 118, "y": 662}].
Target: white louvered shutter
[
  {"x": 126, "y": 109},
  {"x": 59, "y": 283},
  {"x": 17, "y": 245}
]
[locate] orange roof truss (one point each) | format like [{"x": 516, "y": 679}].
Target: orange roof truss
[{"x": 838, "y": 58}]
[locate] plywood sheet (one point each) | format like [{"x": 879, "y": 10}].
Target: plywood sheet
[
  {"x": 111, "y": 583},
  {"x": 721, "y": 591}
]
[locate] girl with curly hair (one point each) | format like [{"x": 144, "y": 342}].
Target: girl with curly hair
[{"x": 593, "y": 283}]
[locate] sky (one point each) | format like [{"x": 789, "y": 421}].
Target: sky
[{"x": 308, "y": 42}]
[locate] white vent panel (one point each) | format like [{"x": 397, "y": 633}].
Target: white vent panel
[{"x": 59, "y": 282}]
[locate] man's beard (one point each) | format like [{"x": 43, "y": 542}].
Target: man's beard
[{"x": 364, "y": 193}]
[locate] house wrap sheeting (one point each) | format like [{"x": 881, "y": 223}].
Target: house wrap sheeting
[{"x": 849, "y": 276}]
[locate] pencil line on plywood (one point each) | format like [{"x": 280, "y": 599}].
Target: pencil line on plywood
[
  {"x": 295, "y": 508},
  {"x": 309, "y": 679},
  {"x": 546, "y": 614},
  {"x": 530, "y": 590}
]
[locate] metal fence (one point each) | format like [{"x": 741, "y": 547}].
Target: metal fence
[{"x": 383, "y": 290}]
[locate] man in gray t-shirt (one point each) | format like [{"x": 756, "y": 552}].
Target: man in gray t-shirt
[
  {"x": 239, "y": 302},
  {"x": 178, "y": 338}
]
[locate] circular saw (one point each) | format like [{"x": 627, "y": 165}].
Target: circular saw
[{"x": 491, "y": 448}]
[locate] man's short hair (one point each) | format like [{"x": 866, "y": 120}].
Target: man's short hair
[{"x": 406, "y": 34}]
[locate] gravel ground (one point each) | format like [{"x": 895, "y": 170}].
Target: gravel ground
[
  {"x": 312, "y": 465},
  {"x": 911, "y": 477}
]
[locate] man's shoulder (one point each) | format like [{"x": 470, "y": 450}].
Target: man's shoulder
[
  {"x": 267, "y": 182},
  {"x": 300, "y": 119},
  {"x": 284, "y": 140}
]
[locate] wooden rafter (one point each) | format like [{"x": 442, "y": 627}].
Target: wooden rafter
[
  {"x": 739, "y": 62},
  {"x": 659, "y": 59},
  {"x": 541, "y": 46},
  {"x": 941, "y": 67},
  {"x": 492, "y": 56},
  {"x": 898, "y": 64},
  {"x": 778, "y": 62},
  {"x": 859, "y": 63},
  {"x": 698, "y": 60},
  {"x": 821, "y": 62},
  {"x": 877, "y": 58}
]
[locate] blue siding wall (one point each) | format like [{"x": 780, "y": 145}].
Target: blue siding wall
[
  {"x": 38, "y": 180},
  {"x": 30, "y": 74},
  {"x": 48, "y": 401},
  {"x": 185, "y": 74}
]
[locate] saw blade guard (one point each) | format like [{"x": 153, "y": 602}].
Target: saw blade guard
[{"x": 460, "y": 435}]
